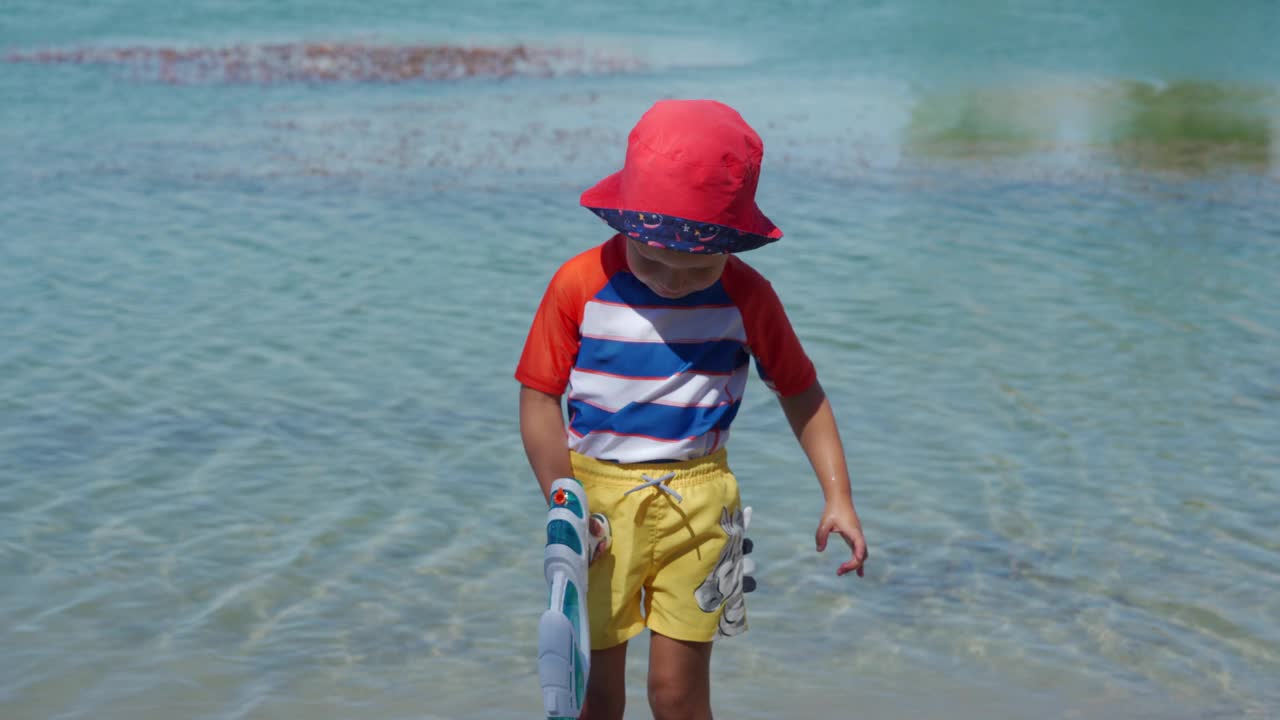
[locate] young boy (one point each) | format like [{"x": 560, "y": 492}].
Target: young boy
[{"x": 651, "y": 334}]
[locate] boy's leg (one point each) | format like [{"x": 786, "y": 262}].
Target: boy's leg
[
  {"x": 679, "y": 678},
  {"x": 607, "y": 686}
]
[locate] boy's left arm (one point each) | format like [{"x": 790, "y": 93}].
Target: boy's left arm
[{"x": 814, "y": 424}]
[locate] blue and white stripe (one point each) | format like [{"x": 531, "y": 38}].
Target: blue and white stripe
[{"x": 655, "y": 378}]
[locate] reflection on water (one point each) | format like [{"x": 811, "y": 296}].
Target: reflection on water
[
  {"x": 1193, "y": 126},
  {"x": 1186, "y": 127}
]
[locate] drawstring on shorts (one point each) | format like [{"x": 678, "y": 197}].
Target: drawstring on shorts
[{"x": 657, "y": 483}]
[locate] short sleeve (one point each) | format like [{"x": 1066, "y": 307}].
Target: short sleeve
[
  {"x": 780, "y": 358},
  {"x": 551, "y": 347}
]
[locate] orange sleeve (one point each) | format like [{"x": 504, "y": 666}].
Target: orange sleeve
[
  {"x": 551, "y": 348},
  {"x": 780, "y": 358}
]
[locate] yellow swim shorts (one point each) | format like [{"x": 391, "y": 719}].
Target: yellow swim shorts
[{"x": 675, "y": 565}]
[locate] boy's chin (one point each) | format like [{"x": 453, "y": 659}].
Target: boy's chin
[{"x": 668, "y": 294}]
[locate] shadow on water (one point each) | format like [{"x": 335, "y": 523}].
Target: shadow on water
[{"x": 1183, "y": 127}]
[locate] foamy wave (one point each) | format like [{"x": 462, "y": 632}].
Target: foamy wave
[{"x": 316, "y": 62}]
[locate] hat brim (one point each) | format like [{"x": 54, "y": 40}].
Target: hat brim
[
  {"x": 676, "y": 233},
  {"x": 682, "y": 234}
]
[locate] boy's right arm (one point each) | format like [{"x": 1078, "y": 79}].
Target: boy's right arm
[{"x": 543, "y": 432}]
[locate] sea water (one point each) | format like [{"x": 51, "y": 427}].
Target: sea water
[{"x": 266, "y": 269}]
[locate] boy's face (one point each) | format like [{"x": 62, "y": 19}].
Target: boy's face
[{"x": 671, "y": 273}]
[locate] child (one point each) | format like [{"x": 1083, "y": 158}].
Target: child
[{"x": 651, "y": 333}]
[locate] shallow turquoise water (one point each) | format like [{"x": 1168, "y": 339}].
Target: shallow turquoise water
[{"x": 258, "y": 451}]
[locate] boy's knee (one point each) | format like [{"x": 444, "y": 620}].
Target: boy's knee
[{"x": 673, "y": 696}]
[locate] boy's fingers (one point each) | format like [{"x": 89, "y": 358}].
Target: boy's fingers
[
  {"x": 854, "y": 563},
  {"x": 857, "y": 551},
  {"x": 820, "y": 538},
  {"x": 849, "y": 567},
  {"x": 598, "y": 529},
  {"x": 594, "y": 527}
]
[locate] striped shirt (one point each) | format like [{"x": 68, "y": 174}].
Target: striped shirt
[{"x": 651, "y": 378}]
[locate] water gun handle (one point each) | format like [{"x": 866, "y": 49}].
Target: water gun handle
[{"x": 564, "y": 642}]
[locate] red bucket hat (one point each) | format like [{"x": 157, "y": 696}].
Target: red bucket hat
[{"x": 689, "y": 182}]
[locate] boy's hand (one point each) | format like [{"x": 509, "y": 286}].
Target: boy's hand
[
  {"x": 843, "y": 519},
  {"x": 601, "y": 536}
]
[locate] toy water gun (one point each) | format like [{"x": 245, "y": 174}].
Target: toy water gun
[{"x": 564, "y": 637}]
